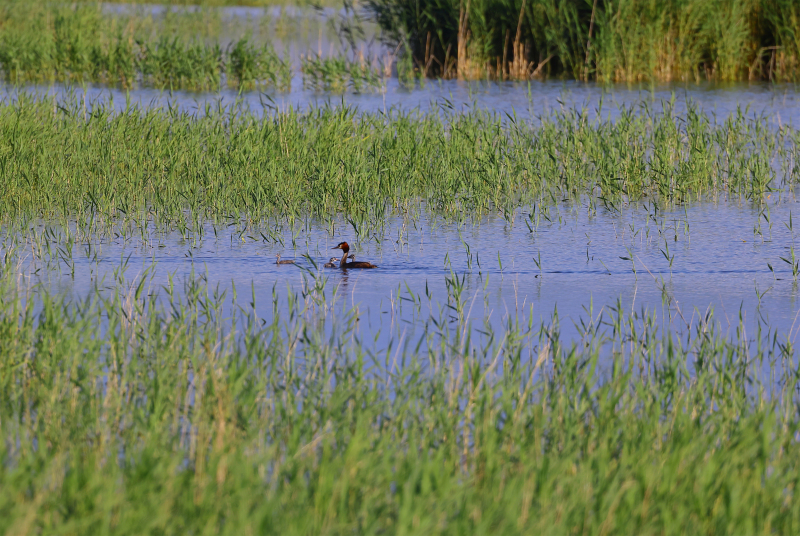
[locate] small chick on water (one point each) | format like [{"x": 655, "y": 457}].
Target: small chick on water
[{"x": 279, "y": 261}]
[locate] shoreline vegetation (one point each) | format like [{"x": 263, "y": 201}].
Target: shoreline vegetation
[
  {"x": 603, "y": 40},
  {"x": 607, "y": 41}
]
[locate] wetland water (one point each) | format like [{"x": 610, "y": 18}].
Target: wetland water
[
  {"x": 721, "y": 254},
  {"x": 712, "y": 255},
  {"x": 779, "y": 103}
]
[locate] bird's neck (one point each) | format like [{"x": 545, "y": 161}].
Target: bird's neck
[{"x": 345, "y": 251}]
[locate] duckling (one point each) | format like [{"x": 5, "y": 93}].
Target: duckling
[
  {"x": 279, "y": 261},
  {"x": 331, "y": 263}
]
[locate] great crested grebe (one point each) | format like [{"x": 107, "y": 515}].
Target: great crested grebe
[
  {"x": 331, "y": 263},
  {"x": 344, "y": 264},
  {"x": 279, "y": 261}
]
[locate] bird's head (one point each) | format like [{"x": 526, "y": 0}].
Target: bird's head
[{"x": 343, "y": 246}]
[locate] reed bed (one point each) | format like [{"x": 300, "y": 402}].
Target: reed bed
[
  {"x": 138, "y": 410},
  {"x": 605, "y": 40},
  {"x": 91, "y": 163},
  {"x": 195, "y": 50}
]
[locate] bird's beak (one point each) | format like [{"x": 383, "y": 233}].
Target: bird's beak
[{"x": 336, "y": 247}]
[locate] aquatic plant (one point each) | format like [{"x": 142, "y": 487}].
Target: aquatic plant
[
  {"x": 339, "y": 73},
  {"x": 90, "y": 162},
  {"x": 143, "y": 410},
  {"x": 625, "y": 40},
  {"x": 250, "y": 67},
  {"x": 45, "y": 43}
]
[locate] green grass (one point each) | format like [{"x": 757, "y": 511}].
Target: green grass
[
  {"x": 625, "y": 40},
  {"x": 50, "y": 42},
  {"x": 339, "y": 74},
  {"x": 124, "y": 414},
  {"x": 139, "y": 409},
  {"x": 70, "y": 160}
]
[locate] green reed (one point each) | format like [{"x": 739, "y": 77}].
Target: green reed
[
  {"x": 47, "y": 42},
  {"x": 251, "y": 66},
  {"x": 623, "y": 40},
  {"x": 139, "y": 410},
  {"x": 88, "y": 162},
  {"x": 339, "y": 74}
]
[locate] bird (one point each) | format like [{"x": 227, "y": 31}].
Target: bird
[
  {"x": 344, "y": 264},
  {"x": 331, "y": 263},
  {"x": 279, "y": 261}
]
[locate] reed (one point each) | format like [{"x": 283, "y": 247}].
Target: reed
[
  {"x": 619, "y": 40},
  {"x": 251, "y": 66},
  {"x": 339, "y": 73},
  {"x": 91, "y": 162},
  {"x": 141, "y": 410},
  {"x": 43, "y": 43}
]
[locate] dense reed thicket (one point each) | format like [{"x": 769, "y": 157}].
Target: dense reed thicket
[
  {"x": 125, "y": 414},
  {"x": 97, "y": 164},
  {"x": 606, "y": 40}
]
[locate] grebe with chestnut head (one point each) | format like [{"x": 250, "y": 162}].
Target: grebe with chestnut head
[
  {"x": 279, "y": 261},
  {"x": 344, "y": 264}
]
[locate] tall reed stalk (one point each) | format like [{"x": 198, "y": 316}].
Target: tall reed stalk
[{"x": 606, "y": 40}]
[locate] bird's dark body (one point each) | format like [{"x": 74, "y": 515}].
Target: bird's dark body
[{"x": 343, "y": 264}]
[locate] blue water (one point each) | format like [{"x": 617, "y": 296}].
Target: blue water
[
  {"x": 724, "y": 256},
  {"x": 721, "y": 252}
]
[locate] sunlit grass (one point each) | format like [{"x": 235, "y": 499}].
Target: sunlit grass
[
  {"x": 70, "y": 159},
  {"x": 142, "y": 410},
  {"x": 624, "y": 41}
]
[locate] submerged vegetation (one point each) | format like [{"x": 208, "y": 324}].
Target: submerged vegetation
[{"x": 605, "y": 40}]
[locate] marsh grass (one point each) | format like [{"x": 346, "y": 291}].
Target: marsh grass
[
  {"x": 177, "y": 169},
  {"x": 195, "y": 50},
  {"x": 251, "y": 67},
  {"x": 142, "y": 410},
  {"x": 339, "y": 74},
  {"x": 625, "y": 40}
]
